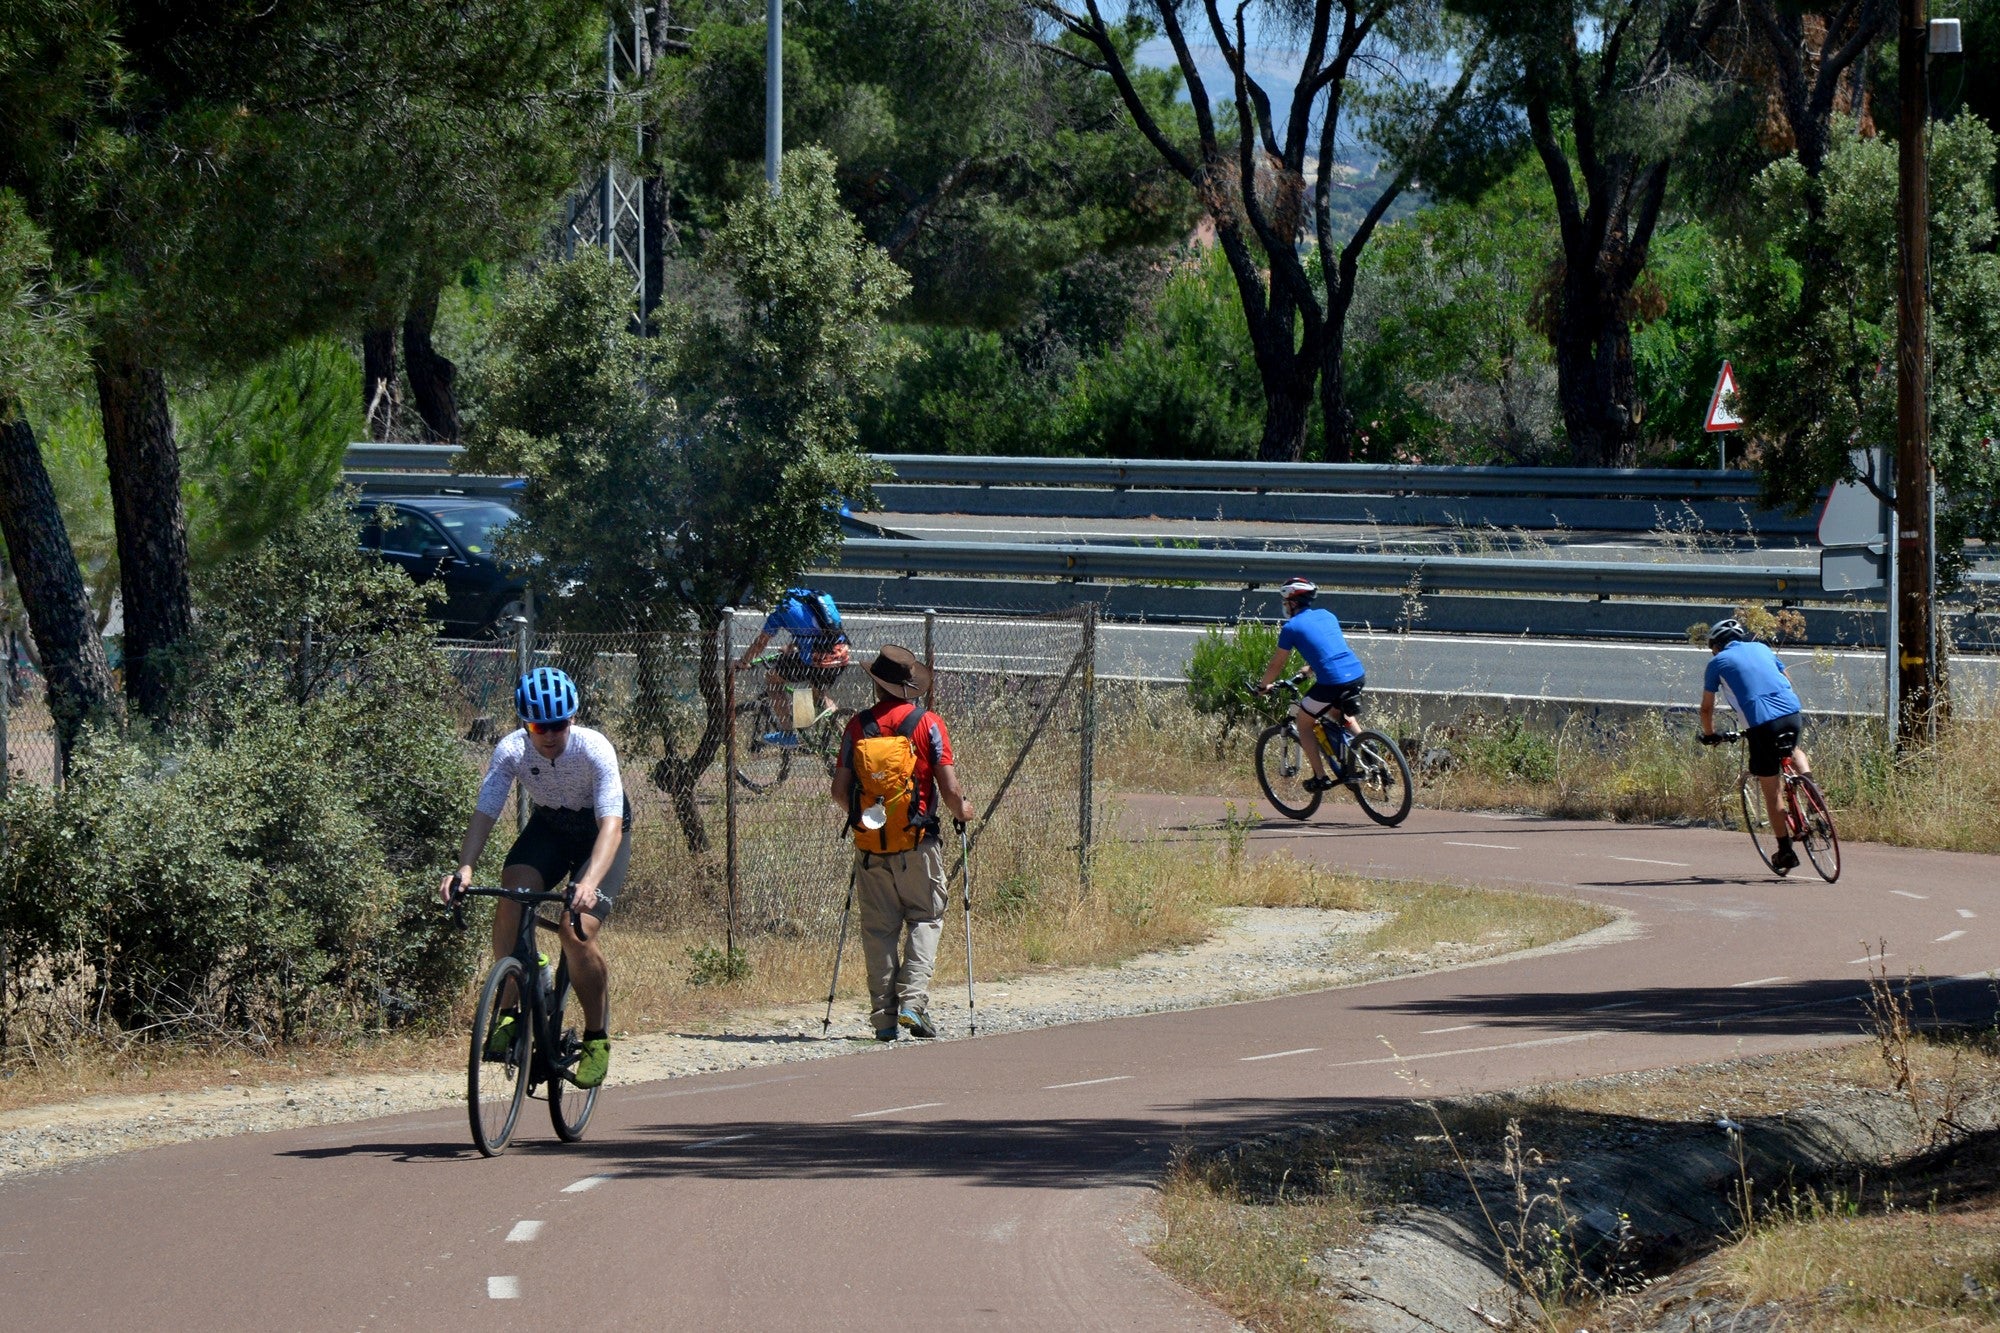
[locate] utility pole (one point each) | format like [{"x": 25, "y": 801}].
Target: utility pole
[
  {"x": 1915, "y": 656},
  {"x": 774, "y": 91}
]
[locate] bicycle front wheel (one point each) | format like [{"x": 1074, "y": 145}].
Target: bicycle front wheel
[
  {"x": 569, "y": 1105},
  {"x": 1816, "y": 831},
  {"x": 495, "y": 1084},
  {"x": 1282, "y": 770},
  {"x": 1756, "y": 822},
  {"x": 760, "y": 764},
  {"x": 1380, "y": 778}
]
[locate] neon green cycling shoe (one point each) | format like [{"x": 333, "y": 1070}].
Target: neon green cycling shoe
[
  {"x": 595, "y": 1063},
  {"x": 500, "y": 1038}
]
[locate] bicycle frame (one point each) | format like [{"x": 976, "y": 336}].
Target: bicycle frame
[
  {"x": 543, "y": 1066},
  {"x": 1335, "y": 750}
]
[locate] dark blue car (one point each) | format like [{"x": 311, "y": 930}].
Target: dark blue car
[{"x": 448, "y": 538}]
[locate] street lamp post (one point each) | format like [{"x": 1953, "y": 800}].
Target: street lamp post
[{"x": 774, "y": 91}]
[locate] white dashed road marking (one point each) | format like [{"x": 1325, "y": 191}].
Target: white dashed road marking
[
  {"x": 1470, "y": 1050},
  {"x": 1760, "y": 981},
  {"x": 1905, "y": 893},
  {"x": 1602, "y": 1008},
  {"x": 1462, "y": 1027},
  {"x": 587, "y": 1183},
  {"x": 1647, "y": 861},
  {"x": 1868, "y": 958},
  {"x": 1966, "y": 914},
  {"x": 503, "y": 1288},
  {"x": 1946, "y": 939},
  {"x": 891, "y": 1110},
  {"x": 1485, "y": 846},
  {"x": 1085, "y": 1082},
  {"x": 710, "y": 1143},
  {"x": 524, "y": 1232},
  {"x": 1279, "y": 1055}
]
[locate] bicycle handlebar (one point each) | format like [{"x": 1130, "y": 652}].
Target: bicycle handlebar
[
  {"x": 1290, "y": 682},
  {"x": 530, "y": 898},
  {"x": 1719, "y": 738}
]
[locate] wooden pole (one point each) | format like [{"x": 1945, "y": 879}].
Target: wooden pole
[{"x": 1914, "y": 640}]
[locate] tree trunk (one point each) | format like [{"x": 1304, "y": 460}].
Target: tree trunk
[
  {"x": 676, "y": 773},
  {"x": 1596, "y": 380},
  {"x": 431, "y": 373},
  {"x": 381, "y": 392},
  {"x": 52, "y": 590},
  {"x": 146, "y": 507}
]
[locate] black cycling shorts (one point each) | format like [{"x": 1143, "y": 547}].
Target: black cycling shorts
[
  {"x": 1344, "y": 698},
  {"x": 558, "y": 843},
  {"x": 1770, "y": 742},
  {"x": 792, "y": 667}
]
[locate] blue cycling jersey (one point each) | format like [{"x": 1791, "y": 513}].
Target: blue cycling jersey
[
  {"x": 1315, "y": 633},
  {"x": 1752, "y": 681}
]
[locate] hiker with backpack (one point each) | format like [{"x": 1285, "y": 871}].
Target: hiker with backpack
[
  {"x": 818, "y": 655},
  {"x": 895, "y": 774}
]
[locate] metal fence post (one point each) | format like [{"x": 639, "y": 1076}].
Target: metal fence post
[
  {"x": 729, "y": 785},
  {"x": 6, "y": 700},
  {"x": 523, "y": 651},
  {"x": 1087, "y": 746},
  {"x": 930, "y": 657}
]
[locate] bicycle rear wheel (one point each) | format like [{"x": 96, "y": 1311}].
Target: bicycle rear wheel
[
  {"x": 569, "y": 1105},
  {"x": 494, "y": 1086},
  {"x": 1816, "y": 831},
  {"x": 1380, "y": 778},
  {"x": 1756, "y": 822},
  {"x": 1282, "y": 770},
  {"x": 760, "y": 764}
]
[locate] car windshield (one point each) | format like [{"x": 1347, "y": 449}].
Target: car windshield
[{"x": 475, "y": 526}]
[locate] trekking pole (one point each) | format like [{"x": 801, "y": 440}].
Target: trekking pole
[
  {"x": 965, "y": 858},
  {"x": 826, "y": 1024}
]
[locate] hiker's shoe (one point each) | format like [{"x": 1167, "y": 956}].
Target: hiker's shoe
[
  {"x": 886, "y": 1034},
  {"x": 1784, "y": 859},
  {"x": 595, "y": 1062},
  {"x": 1318, "y": 784},
  {"x": 500, "y": 1037},
  {"x": 918, "y": 1021},
  {"x": 784, "y": 740}
]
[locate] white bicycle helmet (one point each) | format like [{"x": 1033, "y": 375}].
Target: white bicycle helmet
[
  {"x": 1299, "y": 588},
  {"x": 1727, "y": 630}
]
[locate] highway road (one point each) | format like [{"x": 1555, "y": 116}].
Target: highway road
[{"x": 991, "y": 1183}]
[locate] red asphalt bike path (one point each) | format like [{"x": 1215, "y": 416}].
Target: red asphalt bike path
[{"x": 994, "y": 1183}]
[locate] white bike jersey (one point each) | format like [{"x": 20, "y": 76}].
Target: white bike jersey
[{"x": 583, "y": 777}]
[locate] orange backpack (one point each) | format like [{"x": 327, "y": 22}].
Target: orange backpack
[{"x": 885, "y": 770}]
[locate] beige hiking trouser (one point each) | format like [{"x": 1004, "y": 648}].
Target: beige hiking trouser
[{"x": 898, "y": 890}]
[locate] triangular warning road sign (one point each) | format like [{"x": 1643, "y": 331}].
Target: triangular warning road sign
[{"x": 1722, "y": 407}]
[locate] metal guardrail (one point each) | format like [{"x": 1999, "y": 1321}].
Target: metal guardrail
[
  {"x": 1174, "y": 474},
  {"x": 1594, "y": 578}
]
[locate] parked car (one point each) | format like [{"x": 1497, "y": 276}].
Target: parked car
[{"x": 448, "y": 538}]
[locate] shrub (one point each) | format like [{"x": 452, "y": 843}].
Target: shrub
[
  {"x": 1221, "y": 671},
  {"x": 1510, "y": 749}
]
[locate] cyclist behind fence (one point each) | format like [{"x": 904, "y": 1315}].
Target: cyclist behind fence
[
  {"x": 816, "y": 656},
  {"x": 1338, "y": 676},
  {"x": 581, "y": 830},
  {"x": 1755, "y": 684},
  {"x": 895, "y": 771}
]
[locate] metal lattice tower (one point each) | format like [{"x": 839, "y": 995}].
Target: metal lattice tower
[{"x": 608, "y": 214}]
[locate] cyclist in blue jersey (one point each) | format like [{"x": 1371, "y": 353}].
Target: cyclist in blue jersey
[
  {"x": 1755, "y": 684},
  {"x": 1338, "y": 676},
  {"x": 581, "y": 830},
  {"x": 818, "y": 655}
]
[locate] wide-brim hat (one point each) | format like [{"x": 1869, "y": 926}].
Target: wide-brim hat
[{"x": 897, "y": 670}]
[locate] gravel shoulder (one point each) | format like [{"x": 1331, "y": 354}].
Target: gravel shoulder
[{"x": 1256, "y": 952}]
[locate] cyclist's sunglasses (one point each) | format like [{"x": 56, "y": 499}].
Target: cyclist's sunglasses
[{"x": 547, "y": 728}]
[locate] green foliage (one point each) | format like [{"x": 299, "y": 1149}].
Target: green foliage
[
  {"x": 38, "y": 342},
  {"x": 1510, "y": 749},
  {"x": 266, "y": 868},
  {"x": 1679, "y": 351},
  {"x": 1815, "y": 360},
  {"x": 711, "y": 966},
  {"x": 1223, "y": 668}
]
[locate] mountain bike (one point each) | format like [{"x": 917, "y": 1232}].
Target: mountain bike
[
  {"x": 548, "y": 1037},
  {"x": 762, "y": 764},
  {"x": 1367, "y": 764},
  {"x": 1805, "y": 810}
]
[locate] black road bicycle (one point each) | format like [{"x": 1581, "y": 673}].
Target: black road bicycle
[
  {"x": 1368, "y": 764},
  {"x": 1805, "y": 810},
  {"x": 548, "y": 1037},
  {"x": 762, "y": 764}
]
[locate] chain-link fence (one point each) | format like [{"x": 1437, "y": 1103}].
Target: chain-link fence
[
  {"x": 28, "y": 750},
  {"x": 735, "y": 832}
]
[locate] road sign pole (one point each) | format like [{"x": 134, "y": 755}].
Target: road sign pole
[{"x": 1911, "y": 586}]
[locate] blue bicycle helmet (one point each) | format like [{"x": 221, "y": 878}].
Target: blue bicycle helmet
[{"x": 545, "y": 695}]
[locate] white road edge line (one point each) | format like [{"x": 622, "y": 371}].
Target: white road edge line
[
  {"x": 1485, "y": 846},
  {"x": 891, "y": 1110},
  {"x": 1946, "y": 939},
  {"x": 1760, "y": 981},
  {"x": 1648, "y": 861},
  {"x": 587, "y": 1183},
  {"x": 1462, "y": 1027},
  {"x": 710, "y": 1143},
  {"x": 1478, "y": 814},
  {"x": 1279, "y": 1055},
  {"x": 1085, "y": 1082},
  {"x": 1470, "y": 1050},
  {"x": 523, "y": 1232},
  {"x": 1605, "y": 1008},
  {"x": 503, "y": 1288},
  {"x": 1905, "y": 893}
]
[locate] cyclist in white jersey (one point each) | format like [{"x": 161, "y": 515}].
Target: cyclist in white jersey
[{"x": 581, "y": 830}]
